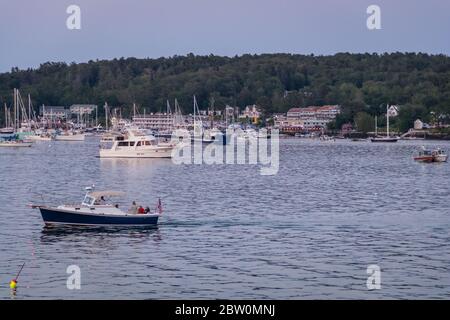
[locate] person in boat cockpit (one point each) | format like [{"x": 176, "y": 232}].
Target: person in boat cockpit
[
  {"x": 133, "y": 208},
  {"x": 100, "y": 201}
]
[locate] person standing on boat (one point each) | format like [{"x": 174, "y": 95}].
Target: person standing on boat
[{"x": 133, "y": 208}]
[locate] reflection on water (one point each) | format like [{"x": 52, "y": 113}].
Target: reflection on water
[
  {"x": 227, "y": 232},
  {"x": 58, "y": 232}
]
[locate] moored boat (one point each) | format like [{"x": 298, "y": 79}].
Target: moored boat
[
  {"x": 137, "y": 144},
  {"x": 384, "y": 139},
  {"x": 7, "y": 130},
  {"x": 40, "y": 136},
  {"x": 14, "y": 142},
  {"x": 70, "y": 136},
  {"x": 387, "y": 138}
]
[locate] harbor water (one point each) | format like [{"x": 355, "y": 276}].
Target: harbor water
[{"x": 227, "y": 232}]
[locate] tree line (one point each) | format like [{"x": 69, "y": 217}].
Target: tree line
[{"x": 361, "y": 83}]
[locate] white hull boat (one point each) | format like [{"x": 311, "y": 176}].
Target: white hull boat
[
  {"x": 40, "y": 138},
  {"x": 6, "y": 130},
  {"x": 70, "y": 137},
  {"x": 15, "y": 144},
  {"x": 136, "y": 144}
]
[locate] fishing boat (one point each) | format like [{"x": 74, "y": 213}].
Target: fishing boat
[
  {"x": 136, "y": 144},
  {"x": 70, "y": 135},
  {"x": 426, "y": 155},
  {"x": 97, "y": 210},
  {"x": 387, "y": 138}
]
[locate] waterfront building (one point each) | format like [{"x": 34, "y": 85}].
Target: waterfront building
[
  {"x": 328, "y": 112},
  {"x": 393, "y": 111},
  {"x": 54, "y": 112},
  {"x": 154, "y": 121},
  {"x": 251, "y": 112},
  {"x": 82, "y": 109},
  {"x": 312, "y": 117},
  {"x": 418, "y": 125}
]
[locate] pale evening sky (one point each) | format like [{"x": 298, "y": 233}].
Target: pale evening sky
[{"x": 34, "y": 31}]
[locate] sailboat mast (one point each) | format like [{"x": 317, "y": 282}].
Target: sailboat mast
[
  {"x": 212, "y": 112},
  {"x": 15, "y": 111},
  {"x": 376, "y": 126},
  {"x": 106, "y": 114},
  {"x": 387, "y": 117},
  {"x": 29, "y": 111}
]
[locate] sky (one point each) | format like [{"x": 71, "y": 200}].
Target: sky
[{"x": 34, "y": 31}]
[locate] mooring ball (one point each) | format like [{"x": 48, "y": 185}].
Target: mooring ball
[{"x": 13, "y": 284}]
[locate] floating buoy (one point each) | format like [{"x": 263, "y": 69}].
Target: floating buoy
[{"x": 13, "y": 284}]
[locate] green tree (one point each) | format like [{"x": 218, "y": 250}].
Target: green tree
[
  {"x": 364, "y": 122},
  {"x": 410, "y": 113}
]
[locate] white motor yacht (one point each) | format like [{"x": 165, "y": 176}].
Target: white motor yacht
[{"x": 136, "y": 144}]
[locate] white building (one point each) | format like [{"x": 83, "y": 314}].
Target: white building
[
  {"x": 250, "y": 112},
  {"x": 393, "y": 111},
  {"x": 312, "y": 117},
  {"x": 418, "y": 125},
  {"x": 155, "y": 121},
  {"x": 54, "y": 112},
  {"x": 82, "y": 109},
  {"x": 324, "y": 112}
]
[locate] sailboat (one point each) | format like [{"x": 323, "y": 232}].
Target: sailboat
[
  {"x": 200, "y": 134},
  {"x": 387, "y": 138},
  {"x": 15, "y": 139},
  {"x": 7, "y": 129}
]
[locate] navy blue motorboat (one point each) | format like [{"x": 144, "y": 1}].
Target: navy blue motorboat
[{"x": 94, "y": 211}]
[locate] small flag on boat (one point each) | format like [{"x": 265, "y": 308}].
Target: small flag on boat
[{"x": 159, "y": 206}]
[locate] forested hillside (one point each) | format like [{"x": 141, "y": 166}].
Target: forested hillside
[{"x": 276, "y": 82}]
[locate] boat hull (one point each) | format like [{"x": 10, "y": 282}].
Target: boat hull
[
  {"x": 384, "y": 140},
  {"x": 161, "y": 153},
  {"x": 16, "y": 145},
  {"x": 424, "y": 159},
  {"x": 54, "y": 216},
  {"x": 39, "y": 138},
  {"x": 75, "y": 137}
]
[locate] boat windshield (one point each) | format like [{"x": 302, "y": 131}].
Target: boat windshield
[{"x": 88, "y": 200}]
